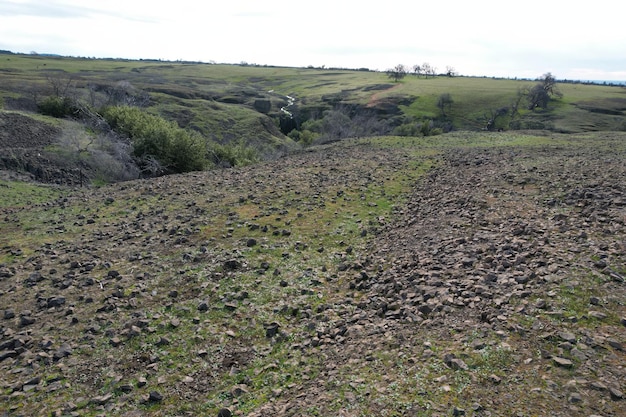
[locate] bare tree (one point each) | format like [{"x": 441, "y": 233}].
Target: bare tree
[
  {"x": 450, "y": 71},
  {"x": 397, "y": 73},
  {"x": 60, "y": 84},
  {"x": 417, "y": 70},
  {"x": 428, "y": 69}
]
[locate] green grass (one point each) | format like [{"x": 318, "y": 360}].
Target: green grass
[
  {"x": 217, "y": 99},
  {"x": 23, "y": 194}
]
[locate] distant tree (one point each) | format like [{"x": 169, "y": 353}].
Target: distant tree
[
  {"x": 450, "y": 71},
  {"x": 428, "y": 69},
  {"x": 541, "y": 93},
  {"x": 397, "y": 73},
  {"x": 548, "y": 82},
  {"x": 537, "y": 97},
  {"x": 444, "y": 100},
  {"x": 417, "y": 70}
]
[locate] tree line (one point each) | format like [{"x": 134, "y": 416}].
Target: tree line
[{"x": 400, "y": 71}]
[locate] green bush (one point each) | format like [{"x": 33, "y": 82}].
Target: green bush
[
  {"x": 155, "y": 138},
  {"x": 304, "y": 137},
  {"x": 407, "y": 129},
  {"x": 57, "y": 107},
  {"x": 423, "y": 128},
  {"x": 230, "y": 155}
]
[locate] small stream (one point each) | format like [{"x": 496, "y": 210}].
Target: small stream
[{"x": 290, "y": 102}]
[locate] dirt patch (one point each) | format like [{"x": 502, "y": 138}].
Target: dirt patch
[
  {"x": 375, "y": 98},
  {"x": 19, "y": 131},
  {"x": 23, "y": 142}
]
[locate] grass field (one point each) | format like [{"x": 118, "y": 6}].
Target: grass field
[{"x": 178, "y": 86}]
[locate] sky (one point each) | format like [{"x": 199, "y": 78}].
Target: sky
[{"x": 494, "y": 38}]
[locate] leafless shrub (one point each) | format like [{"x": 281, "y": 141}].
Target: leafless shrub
[{"x": 100, "y": 156}]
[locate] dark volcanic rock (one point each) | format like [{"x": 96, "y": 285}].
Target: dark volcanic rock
[
  {"x": 155, "y": 396},
  {"x": 224, "y": 412}
]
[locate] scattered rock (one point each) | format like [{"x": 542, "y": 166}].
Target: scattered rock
[
  {"x": 455, "y": 363},
  {"x": 232, "y": 265},
  {"x": 568, "y": 337},
  {"x": 125, "y": 388},
  {"x": 203, "y": 306},
  {"x": 574, "y": 398},
  {"x": 6, "y": 354},
  {"x": 55, "y": 302},
  {"x": 230, "y": 306},
  {"x": 271, "y": 329},
  {"x": 155, "y": 397},
  {"x": 239, "y": 390},
  {"x": 224, "y": 412},
  {"x": 615, "y": 344},
  {"x": 616, "y": 394},
  {"x": 495, "y": 379},
  {"x": 9, "y": 314},
  {"x": 458, "y": 412},
  {"x": 26, "y": 319},
  {"x": 64, "y": 351},
  {"x": 163, "y": 341},
  {"x": 562, "y": 362},
  {"x": 597, "y": 315},
  {"x": 115, "y": 341},
  {"x": 101, "y": 400},
  {"x": 598, "y": 386}
]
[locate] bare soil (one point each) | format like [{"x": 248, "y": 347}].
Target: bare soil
[{"x": 23, "y": 142}]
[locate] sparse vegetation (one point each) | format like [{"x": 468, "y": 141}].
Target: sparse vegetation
[{"x": 430, "y": 273}]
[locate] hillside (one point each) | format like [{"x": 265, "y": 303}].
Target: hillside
[
  {"x": 463, "y": 274},
  {"x": 243, "y": 114}
]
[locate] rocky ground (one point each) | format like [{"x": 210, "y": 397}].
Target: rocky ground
[
  {"x": 24, "y": 142},
  {"x": 366, "y": 278}
]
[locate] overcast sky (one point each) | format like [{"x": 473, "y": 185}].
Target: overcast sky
[{"x": 480, "y": 37}]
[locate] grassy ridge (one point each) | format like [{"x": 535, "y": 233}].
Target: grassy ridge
[{"x": 180, "y": 88}]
